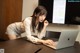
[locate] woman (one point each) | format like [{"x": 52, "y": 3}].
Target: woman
[{"x": 34, "y": 27}]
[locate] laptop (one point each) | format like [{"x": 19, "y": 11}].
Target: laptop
[{"x": 62, "y": 39}]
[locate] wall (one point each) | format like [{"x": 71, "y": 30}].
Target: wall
[{"x": 28, "y": 7}]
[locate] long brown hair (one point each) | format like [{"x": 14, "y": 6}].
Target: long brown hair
[{"x": 40, "y": 10}]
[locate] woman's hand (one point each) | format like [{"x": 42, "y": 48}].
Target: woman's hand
[
  {"x": 48, "y": 42},
  {"x": 46, "y": 23}
]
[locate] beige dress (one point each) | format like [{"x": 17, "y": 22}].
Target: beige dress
[{"x": 15, "y": 29}]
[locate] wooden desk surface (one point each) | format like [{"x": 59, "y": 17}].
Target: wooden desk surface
[{"x": 23, "y": 46}]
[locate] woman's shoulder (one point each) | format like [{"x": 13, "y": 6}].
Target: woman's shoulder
[{"x": 27, "y": 19}]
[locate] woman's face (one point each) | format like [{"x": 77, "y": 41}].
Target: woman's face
[{"x": 42, "y": 18}]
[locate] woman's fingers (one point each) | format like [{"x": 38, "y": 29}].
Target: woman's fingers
[
  {"x": 46, "y": 23},
  {"x": 51, "y": 42}
]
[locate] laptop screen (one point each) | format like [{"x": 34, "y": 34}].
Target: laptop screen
[{"x": 52, "y": 35}]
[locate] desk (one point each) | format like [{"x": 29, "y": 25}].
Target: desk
[{"x": 23, "y": 46}]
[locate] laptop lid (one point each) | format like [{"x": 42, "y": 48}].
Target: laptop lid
[{"x": 67, "y": 38}]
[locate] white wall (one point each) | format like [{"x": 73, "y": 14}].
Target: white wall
[{"x": 28, "y": 8}]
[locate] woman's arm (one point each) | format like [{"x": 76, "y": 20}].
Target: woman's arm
[
  {"x": 43, "y": 32},
  {"x": 27, "y": 24},
  {"x": 34, "y": 39}
]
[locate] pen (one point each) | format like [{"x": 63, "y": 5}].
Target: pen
[{"x": 38, "y": 50}]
